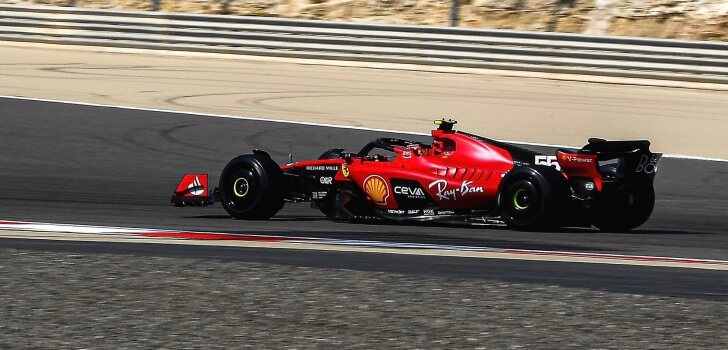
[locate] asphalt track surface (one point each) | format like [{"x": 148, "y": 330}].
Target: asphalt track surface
[{"x": 68, "y": 163}]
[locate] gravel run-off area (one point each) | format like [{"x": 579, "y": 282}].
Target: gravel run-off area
[{"x": 58, "y": 300}]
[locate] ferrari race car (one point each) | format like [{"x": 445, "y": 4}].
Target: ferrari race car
[{"x": 458, "y": 177}]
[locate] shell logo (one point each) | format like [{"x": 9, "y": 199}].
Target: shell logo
[{"x": 376, "y": 187}]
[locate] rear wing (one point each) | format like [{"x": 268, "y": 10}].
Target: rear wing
[
  {"x": 615, "y": 149},
  {"x": 633, "y": 159}
]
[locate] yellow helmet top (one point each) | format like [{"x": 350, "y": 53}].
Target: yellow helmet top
[{"x": 445, "y": 124}]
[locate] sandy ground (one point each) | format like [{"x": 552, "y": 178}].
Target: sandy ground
[{"x": 677, "y": 120}]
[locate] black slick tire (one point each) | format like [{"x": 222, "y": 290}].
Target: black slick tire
[
  {"x": 623, "y": 207},
  {"x": 251, "y": 187},
  {"x": 533, "y": 197}
]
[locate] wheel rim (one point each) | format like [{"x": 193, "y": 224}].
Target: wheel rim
[
  {"x": 521, "y": 199},
  {"x": 521, "y": 203},
  {"x": 242, "y": 189}
]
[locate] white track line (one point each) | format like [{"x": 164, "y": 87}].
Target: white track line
[
  {"x": 81, "y": 233},
  {"x": 226, "y": 116}
]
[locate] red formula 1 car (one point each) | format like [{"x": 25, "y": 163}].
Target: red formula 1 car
[{"x": 458, "y": 177}]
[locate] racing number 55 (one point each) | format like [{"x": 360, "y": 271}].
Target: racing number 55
[{"x": 548, "y": 161}]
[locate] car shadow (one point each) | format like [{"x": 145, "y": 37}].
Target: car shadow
[
  {"x": 362, "y": 231},
  {"x": 661, "y": 232},
  {"x": 456, "y": 225},
  {"x": 274, "y": 219}
]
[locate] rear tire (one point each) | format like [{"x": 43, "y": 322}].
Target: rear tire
[
  {"x": 251, "y": 187},
  {"x": 533, "y": 198},
  {"x": 623, "y": 207}
]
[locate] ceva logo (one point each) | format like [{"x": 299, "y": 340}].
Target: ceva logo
[{"x": 409, "y": 191}]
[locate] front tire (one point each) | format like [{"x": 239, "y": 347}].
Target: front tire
[
  {"x": 251, "y": 187},
  {"x": 532, "y": 198}
]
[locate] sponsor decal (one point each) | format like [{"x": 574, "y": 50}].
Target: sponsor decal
[
  {"x": 345, "y": 170},
  {"x": 465, "y": 188},
  {"x": 192, "y": 185},
  {"x": 376, "y": 187},
  {"x": 412, "y": 212},
  {"x": 445, "y": 212},
  {"x": 195, "y": 187},
  {"x": 647, "y": 164},
  {"x": 322, "y": 167},
  {"x": 443, "y": 193},
  {"x": 395, "y": 211},
  {"x": 407, "y": 154},
  {"x": 326, "y": 180},
  {"x": 428, "y": 212},
  {"x": 575, "y": 159},
  {"x": 410, "y": 192},
  {"x": 319, "y": 195},
  {"x": 589, "y": 186},
  {"x": 548, "y": 161}
]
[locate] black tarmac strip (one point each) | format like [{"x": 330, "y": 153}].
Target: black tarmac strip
[
  {"x": 699, "y": 284},
  {"x": 66, "y": 163}
]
